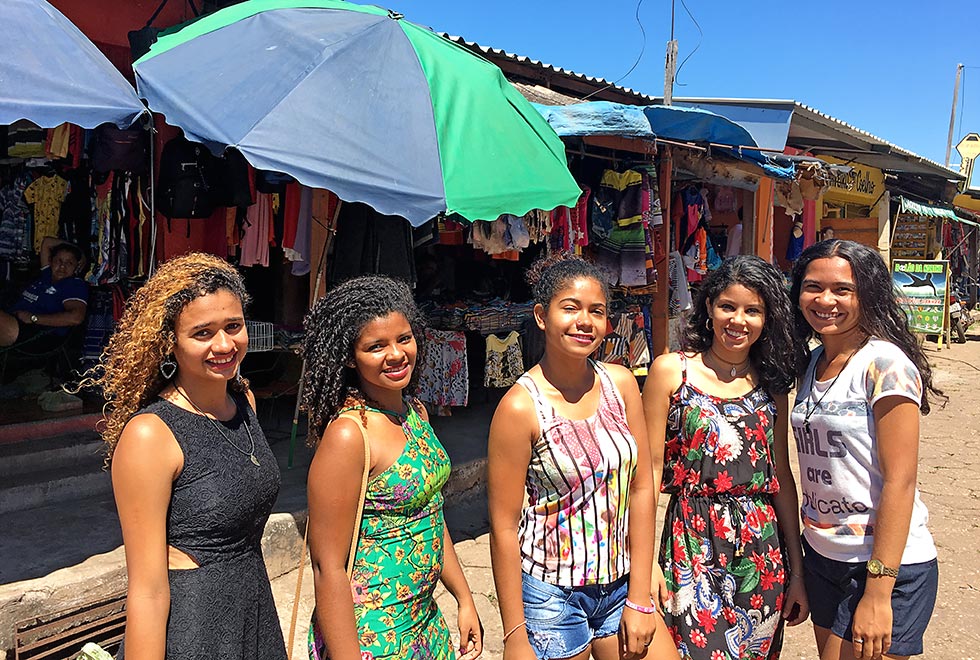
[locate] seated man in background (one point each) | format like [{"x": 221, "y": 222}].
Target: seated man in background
[{"x": 50, "y": 306}]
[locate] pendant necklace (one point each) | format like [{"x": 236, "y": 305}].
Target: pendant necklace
[
  {"x": 736, "y": 366},
  {"x": 813, "y": 380},
  {"x": 251, "y": 452}
]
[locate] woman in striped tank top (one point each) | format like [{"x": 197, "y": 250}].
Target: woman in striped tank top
[{"x": 571, "y": 489}]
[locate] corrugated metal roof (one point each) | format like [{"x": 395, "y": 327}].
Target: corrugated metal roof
[
  {"x": 858, "y": 132},
  {"x": 592, "y": 80},
  {"x": 646, "y": 99}
]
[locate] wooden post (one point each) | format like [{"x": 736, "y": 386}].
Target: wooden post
[{"x": 659, "y": 313}]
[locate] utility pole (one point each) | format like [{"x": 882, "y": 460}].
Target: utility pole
[
  {"x": 670, "y": 65},
  {"x": 952, "y": 113}
]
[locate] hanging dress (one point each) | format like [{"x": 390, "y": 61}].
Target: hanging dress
[
  {"x": 399, "y": 554},
  {"x": 721, "y": 552}
]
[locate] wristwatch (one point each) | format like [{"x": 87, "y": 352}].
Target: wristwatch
[
  {"x": 875, "y": 567},
  {"x": 34, "y": 318}
]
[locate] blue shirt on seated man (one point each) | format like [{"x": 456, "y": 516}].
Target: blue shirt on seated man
[{"x": 52, "y": 304}]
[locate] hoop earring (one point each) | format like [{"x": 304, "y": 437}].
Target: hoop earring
[
  {"x": 168, "y": 367},
  {"x": 707, "y": 324}
]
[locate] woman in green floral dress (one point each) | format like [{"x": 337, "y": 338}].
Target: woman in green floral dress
[{"x": 360, "y": 348}]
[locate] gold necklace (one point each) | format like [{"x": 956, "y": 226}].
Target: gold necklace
[
  {"x": 251, "y": 452},
  {"x": 734, "y": 365}
]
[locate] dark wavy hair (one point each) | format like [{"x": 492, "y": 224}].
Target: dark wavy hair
[
  {"x": 774, "y": 354},
  {"x": 332, "y": 327},
  {"x": 549, "y": 275},
  {"x": 881, "y": 315}
]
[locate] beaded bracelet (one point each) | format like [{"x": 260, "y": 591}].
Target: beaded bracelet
[{"x": 640, "y": 608}]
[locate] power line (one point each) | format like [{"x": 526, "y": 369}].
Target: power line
[
  {"x": 643, "y": 46},
  {"x": 700, "y": 39}
]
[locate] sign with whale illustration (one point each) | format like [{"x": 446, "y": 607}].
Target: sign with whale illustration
[{"x": 922, "y": 291}]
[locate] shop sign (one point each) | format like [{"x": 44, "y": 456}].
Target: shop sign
[
  {"x": 862, "y": 185},
  {"x": 921, "y": 287}
]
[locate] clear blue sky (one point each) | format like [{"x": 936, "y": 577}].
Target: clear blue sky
[{"x": 885, "y": 66}]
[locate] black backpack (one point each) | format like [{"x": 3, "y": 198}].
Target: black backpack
[{"x": 185, "y": 181}]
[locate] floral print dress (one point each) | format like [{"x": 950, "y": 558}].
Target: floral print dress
[
  {"x": 399, "y": 555},
  {"x": 721, "y": 552}
]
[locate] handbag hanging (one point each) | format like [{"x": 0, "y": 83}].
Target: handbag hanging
[{"x": 314, "y": 634}]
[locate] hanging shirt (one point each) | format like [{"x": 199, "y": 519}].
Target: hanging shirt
[
  {"x": 504, "y": 361},
  {"x": 47, "y": 195}
]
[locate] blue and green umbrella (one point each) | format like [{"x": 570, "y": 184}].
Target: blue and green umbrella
[{"x": 356, "y": 100}]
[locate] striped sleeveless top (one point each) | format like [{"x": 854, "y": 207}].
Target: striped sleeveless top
[{"x": 573, "y": 531}]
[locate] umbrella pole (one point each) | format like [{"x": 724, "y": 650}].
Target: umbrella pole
[
  {"x": 302, "y": 371},
  {"x": 151, "y": 191}
]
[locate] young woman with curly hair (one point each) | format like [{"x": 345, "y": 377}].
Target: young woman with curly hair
[
  {"x": 361, "y": 346},
  {"x": 571, "y": 489},
  {"x": 718, "y": 417},
  {"x": 193, "y": 476},
  {"x": 871, "y": 567}
]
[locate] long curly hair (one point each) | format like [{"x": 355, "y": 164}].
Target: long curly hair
[
  {"x": 550, "y": 274},
  {"x": 129, "y": 369},
  {"x": 774, "y": 354},
  {"x": 881, "y": 315},
  {"x": 332, "y": 327}
]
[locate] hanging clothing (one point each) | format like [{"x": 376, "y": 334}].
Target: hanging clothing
[
  {"x": 16, "y": 239},
  {"x": 370, "y": 243},
  {"x": 255, "y": 243},
  {"x": 734, "y": 245},
  {"x": 627, "y": 195},
  {"x": 680, "y": 292},
  {"x": 46, "y": 194},
  {"x": 444, "y": 371},
  {"x": 504, "y": 361}
]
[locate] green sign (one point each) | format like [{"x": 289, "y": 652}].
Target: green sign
[{"x": 921, "y": 289}]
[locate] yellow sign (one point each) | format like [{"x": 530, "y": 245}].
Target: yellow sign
[{"x": 863, "y": 185}]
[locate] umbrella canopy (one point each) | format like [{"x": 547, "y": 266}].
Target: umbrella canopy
[
  {"x": 356, "y": 100},
  {"x": 51, "y": 73}
]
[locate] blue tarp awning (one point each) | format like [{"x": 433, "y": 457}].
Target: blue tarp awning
[
  {"x": 50, "y": 73},
  {"x": 768, "y": 126},
  {"x": 665, "y": 122}
]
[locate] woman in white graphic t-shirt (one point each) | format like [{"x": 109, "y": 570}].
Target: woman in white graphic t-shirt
[{"x": 870, "y": 566}]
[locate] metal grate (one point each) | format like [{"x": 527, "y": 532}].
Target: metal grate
[
  {"x": 61, "y": 635},
  {"x": 260, "y": 336}
]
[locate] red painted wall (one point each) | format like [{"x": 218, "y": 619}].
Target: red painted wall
[{"x": 108, "y": 22}]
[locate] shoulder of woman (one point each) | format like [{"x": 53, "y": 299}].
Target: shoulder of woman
[
  {"x": 148, "y": 439},
  {"x": 516, "y": 401},
  {"x": 342, "y": 441},
  {"x": 668, "y": 366},
  {"x": 621, "y": 376}
]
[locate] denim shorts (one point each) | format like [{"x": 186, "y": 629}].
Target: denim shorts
[
  {"x": 834, "y": 589},
  {"x": 563, "y": 621}
]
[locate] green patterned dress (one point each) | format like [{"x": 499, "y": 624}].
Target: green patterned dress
[{"x": 400, "y": 553}]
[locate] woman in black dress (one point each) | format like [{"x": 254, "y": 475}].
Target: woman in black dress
[{"x": 193, "y": 476}]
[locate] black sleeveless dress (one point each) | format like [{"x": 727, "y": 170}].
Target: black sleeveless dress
[{"x": 224, "y": 609}]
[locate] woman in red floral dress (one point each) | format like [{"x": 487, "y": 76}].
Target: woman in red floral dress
[{"x": 731, "y": 555}]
